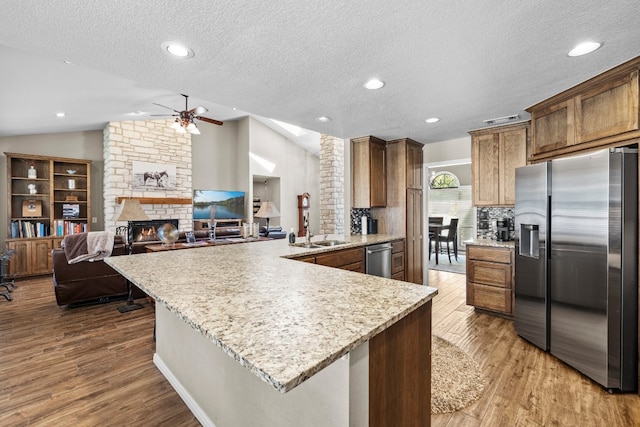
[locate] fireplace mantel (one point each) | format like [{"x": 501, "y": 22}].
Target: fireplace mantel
[{"x": 159, "y": 200}]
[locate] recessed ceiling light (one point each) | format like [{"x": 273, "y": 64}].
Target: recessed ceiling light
[
  {"x": 60, "y": 114},
  {"x": 68, "y": 62},
  {"x": 584, "y": 48},
  {"x": 137, "y": 113},
  {"x": 178, "y": 50},
  {"x": 432, "y": 120},
  {"x": 374, "y": 84},
  {"x": 323, "y": 119}
]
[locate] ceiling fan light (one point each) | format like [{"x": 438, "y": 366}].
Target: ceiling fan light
[
  {"x": 194, "y": 131},
  {"x": 176, "y": 125},
  {"x": 200, "y": 110},
  {"x": 180, "y": 129},
  {"x": 191, "y": 126}
]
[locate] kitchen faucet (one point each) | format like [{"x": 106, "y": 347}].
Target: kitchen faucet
[{"x": 308, "y": 235}]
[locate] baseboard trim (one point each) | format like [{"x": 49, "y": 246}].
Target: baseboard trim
[{"x": 182, "y": 392}]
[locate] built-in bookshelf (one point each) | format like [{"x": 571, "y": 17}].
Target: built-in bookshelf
[{"x": 47, "y": 198}]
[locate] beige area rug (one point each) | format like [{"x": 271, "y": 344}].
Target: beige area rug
[{"x": 456, "y": 379}]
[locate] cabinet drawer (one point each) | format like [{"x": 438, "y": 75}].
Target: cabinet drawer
[
  {"x": 489, "y": 273},
  {"x": 397, "y": 262},
  {"x": 358, "y": 267},
  {"x": 489, "y": 297},
  {"x": 397, "y": 246},
  {"x": 483, "y": 253},
  {"x": 398, "y": 276},
  {"x": 341, "y": 258}
]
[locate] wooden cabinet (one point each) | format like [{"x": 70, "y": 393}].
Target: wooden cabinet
[
  {"x": 495, "y": 154},
  {"x": 32, "y": 257},
  {"x": 490, "y": 277},
  {"x": 397, "y": 259},
  {"x": 403, "y": 214},
  {"x": 47, "y": 198},
  {"x": 600, "y": 112},
  {"x": 369, "y": 172},
  {"x": 346, "y": 259}
]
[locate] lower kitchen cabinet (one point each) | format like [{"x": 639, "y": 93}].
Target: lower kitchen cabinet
[
  {"x": 346, "y": 259},
  {"x": 397, "y": 260},
  {"x": 490, "y": 278}
]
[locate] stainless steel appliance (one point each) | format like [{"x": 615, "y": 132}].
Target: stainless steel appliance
[
  {"x": 378, "y": 260},
  {"x": 576, "y": 280}
]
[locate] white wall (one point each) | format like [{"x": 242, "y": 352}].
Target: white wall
[
  {"x": 445, "y": 151},
  {"x": 298, "y": 169}
]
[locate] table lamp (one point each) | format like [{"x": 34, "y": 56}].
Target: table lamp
[
  {"x": 267, "y": 210},
  {"x": 130, "y": 210}
]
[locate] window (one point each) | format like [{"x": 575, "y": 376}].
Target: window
[{"x": 444, "y": 179}]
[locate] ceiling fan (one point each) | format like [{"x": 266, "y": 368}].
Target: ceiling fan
[{"x": 184, "y": 119}]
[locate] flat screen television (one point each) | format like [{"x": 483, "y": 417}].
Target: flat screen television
[{"x": 224, "y": 204}]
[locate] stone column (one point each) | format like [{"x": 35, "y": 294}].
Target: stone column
[{"x": 331, "y": 185}]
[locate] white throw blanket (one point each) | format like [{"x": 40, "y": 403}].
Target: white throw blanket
[{"x": 91, "y": 246}]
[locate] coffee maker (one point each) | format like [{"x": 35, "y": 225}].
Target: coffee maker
[{"x": 503, "y": 229}]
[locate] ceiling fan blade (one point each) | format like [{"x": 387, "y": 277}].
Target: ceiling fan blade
[
  {"x": 208, "y": 120},
  {"x": 164, "y": 106},
  {"x": 163, "y": 115}
]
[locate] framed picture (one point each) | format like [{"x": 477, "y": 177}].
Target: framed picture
[
  {"x": 31, "y": 208},
  {"x": 70, "y": 210},
  {"x": 153, "y": 176}
]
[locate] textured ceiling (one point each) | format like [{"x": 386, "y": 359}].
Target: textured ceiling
[{"x": 295, "y": 60}]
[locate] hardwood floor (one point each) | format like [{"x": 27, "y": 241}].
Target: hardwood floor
[
  {"x": 86, "y": 366},
  {"x": 92, "y": 366},
  {"x": 524, "y": 385}
]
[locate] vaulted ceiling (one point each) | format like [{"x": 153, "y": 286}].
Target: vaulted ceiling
[{"x": 297, "y": 60}]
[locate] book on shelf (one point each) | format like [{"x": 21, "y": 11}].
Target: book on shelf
[
  {"x": 62, "y": 227},
  {"x": 24, "y": 229}
]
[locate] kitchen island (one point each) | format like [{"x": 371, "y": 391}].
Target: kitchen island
[{"x": 248, "y": 337}]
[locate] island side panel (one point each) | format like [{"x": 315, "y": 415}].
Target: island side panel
[
  {"x": 400, "y": 372},
  {"x": 220, "y": 392}
]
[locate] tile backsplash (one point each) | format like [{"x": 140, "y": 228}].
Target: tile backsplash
[
  {"x": 356, "y": 219},
  {"x": 486, "y": 220}
]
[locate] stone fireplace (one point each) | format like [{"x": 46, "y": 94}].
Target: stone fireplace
[
  {"x": 147, "y": 231},
  {"x": 151, "y": 141}
]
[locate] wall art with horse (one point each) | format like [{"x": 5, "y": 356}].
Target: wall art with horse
[{"x": 153, "y": 176}]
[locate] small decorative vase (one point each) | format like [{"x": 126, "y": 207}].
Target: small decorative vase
[{"x": 32, "y": 172}]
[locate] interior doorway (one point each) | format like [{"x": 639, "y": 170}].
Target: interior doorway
[
  {"x": 265, "y": 188},
  {"x": 449, "y": 196}
]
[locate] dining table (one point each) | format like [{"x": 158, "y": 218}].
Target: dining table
[{"x": 436, "y": 228}]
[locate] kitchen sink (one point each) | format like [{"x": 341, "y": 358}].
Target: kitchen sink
[
  {"x": 306, "y": 245},
  {"x": 330, "y": 243}
]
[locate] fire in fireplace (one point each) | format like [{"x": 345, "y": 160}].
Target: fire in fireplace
[{"x": 146, "y": 231}]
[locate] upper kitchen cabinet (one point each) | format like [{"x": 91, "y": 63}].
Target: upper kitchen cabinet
[
  {"x": 495, "y": 154},
  {"x": 600, "y": 112},
  {"x": 369, "y": 172}
]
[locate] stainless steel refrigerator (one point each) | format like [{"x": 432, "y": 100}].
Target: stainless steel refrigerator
[{"x": 576, "y": 266}]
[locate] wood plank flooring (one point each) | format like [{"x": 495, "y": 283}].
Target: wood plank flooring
[
  {"x": 524, "y": 385},
  {"x": 92, "y": 365}
]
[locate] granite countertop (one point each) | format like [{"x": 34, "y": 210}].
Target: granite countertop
[
  {"x": 490, "y": 242},
  {"x": 282, "y": 319}
]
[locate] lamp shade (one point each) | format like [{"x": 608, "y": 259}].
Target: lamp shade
[
  {"x": 130, "y": 210},
  {"x": 267, "y": 210}
]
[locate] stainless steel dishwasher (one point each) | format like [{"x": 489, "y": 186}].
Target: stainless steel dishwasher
[{"x": 378, "y": 260}]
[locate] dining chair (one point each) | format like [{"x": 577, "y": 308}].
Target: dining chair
[
  {"x": 433, "y": 220},
  {"x": 450, "y": 235}
]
